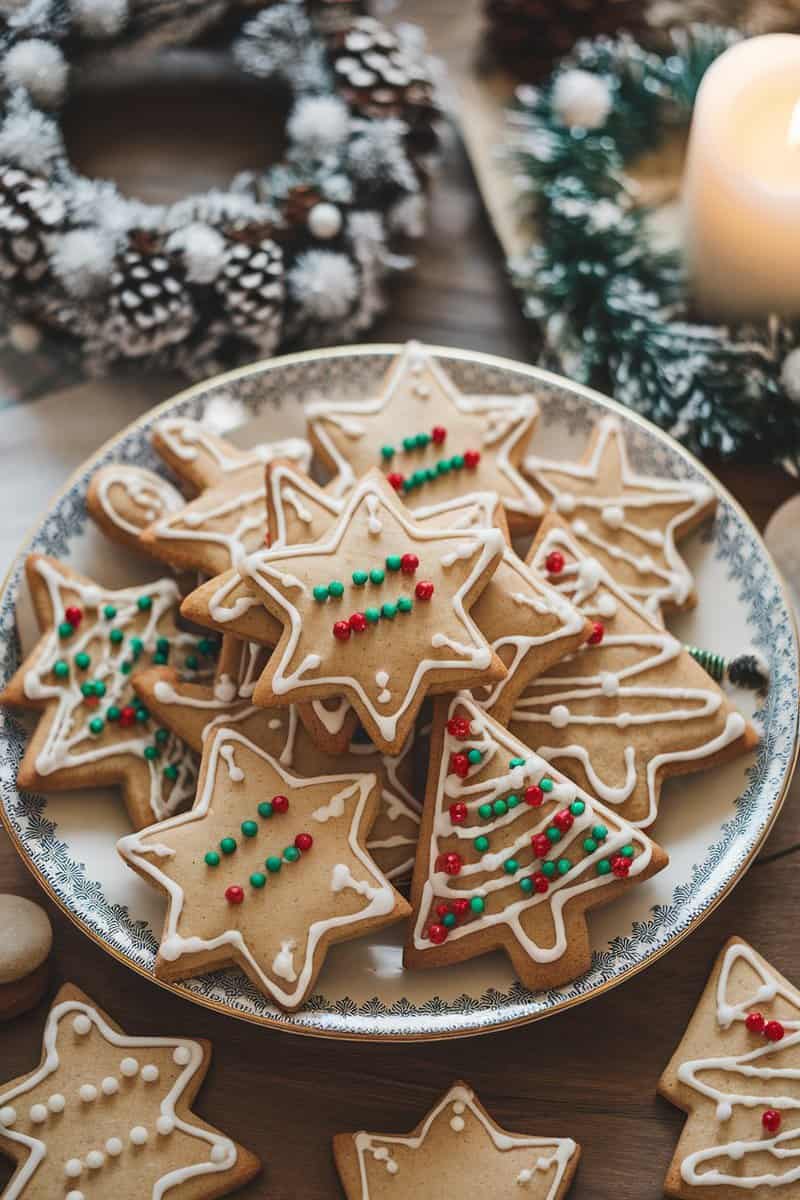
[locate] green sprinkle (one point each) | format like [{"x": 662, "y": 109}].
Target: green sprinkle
[
  {"x": 99, "y": 688},
  {"x": 142, "y": 714},
  {"x": 249, "y": 828},
  {"x": 373, "y": 615},
  {"x": 336, "y": 588},
  {"x": 109, "y": 612},
  {"x": 443, "y": 466},
  {"x": 376, "y": 575},
  {"x": 546, "y": 784},
  {"x": 457, "y": 461},
  {"x": 517, "y": 762},
  {"x": 422, "y": 440},
  {"x": 112, "y": 713},
  {"x": 320, "y": 593},
  {"x": 512, "y": 801},
  {"x": 387, "y": 453},
  {"x": 430, "y": 474},
  {"x": 553, "y": 834},
  {"x": 192, "y": 662},
  {"x": 151, "y": 752},
  {"x": 159, "y": 660},
  {"x": 408, "y": 484},
  {"x": 126, "y": 667},
  {"x": 273, "y": 863},
  {"x": 291, "y": 854},
  {"x": 87, "y": 688},
  {"x": 526, "y": 884},
  {"x": 137, "y": 646},
  {"x": 405, "y": 604},
  {"x": 449, "y": 920},
  {"x": 360, "y": 578},
  {"x": 627, "y": 851},
  {"x": 228, "y": 845},
  {"x": 212, "y": 859},
  {"x": 65, "y": 630},
  {"x": 590, "y": 845},
  {"x": 60, "y": 669},
  {"x": 481, "y": 844},
  {"x": 477, "y": 904},
  {"x": 258, "y": 879},
  {"x": 409, "y": 443},
  {"x": 116, "y": 636},
  {"x": 511, "y": 866},
  {"x": 171, "y": 771},
  {"x": 419, "y": 478},
  {"x": 393, "y": 562},
  {"x": 144, "y": 603},
  {"x": 603, "y": 867},
  {"x": 474, "y": 756},
  {"x": 499, "y": 808},
  {"x": 207, "y": 647},
  {"x": 265, "y": 809},
  {"x": 577, "y": 808},
  {"x": 563, "y": 865},
  {"x": 485, "y": 811},
  {"x": 389, "y": 610},
  {"x": 599, "y": 833},
  {"x": 97, "y": 725},
  {"x": 549, "y": 869},
  {"x": 162, "y": 645},
  {"x": 162, "y": 736},
  {"x": 82, "y": 660}
]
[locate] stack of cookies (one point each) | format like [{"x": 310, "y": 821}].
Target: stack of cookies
[{"x": 372, "y": 687}]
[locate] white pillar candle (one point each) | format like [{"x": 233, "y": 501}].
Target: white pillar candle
[{"x": 742, "y": 183}]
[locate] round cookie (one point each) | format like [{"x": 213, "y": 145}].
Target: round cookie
[{"x": 25, "y": 942}]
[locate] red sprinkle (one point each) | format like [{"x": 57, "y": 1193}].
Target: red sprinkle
[
  {"x": 357, "y": 622},
  {"x": 461, "y": 907},
  {"x": 234, "y": 894},
  {"x": 280, "y": 804},
  {"x": 755, "y": 1022},
  {"x": 438, "y": 934},
  {"x": 395, "y": 479},
  {"x": 554, "y": 562},
  {"x": 341, "y": 630},
  {"x": 459, "y": 727},
  {"x": 409, "y": 564},
  {"x": 74, "y": 615},
  {"x": 534, "y": 795},
  {"x": 458, "y": 813},
  {"x": 541, "y": 845},
  {"x": 597, "y": 634},
  {"x": 564, "y": 820},
  {"x": 127, "y": 716},
  {"x": 438, "y": 433},
  {"x": 442, "y": 910},
  {"x": 541, "y": 882},
  {"x": 620, "y": 866},
  {"x": 471, "y": 459},
  {"x": 771, "y": 1120},
  {"x": 774, "y": 1031},
  {"x": 423, "y": 590},
  {"x": 449, "y": 863},
  {"x": 91, "y": 701},
  {"x": 304, "y": 842},
  {"x": 459, "y": 765},
  {"x": 267, "y": 539}
]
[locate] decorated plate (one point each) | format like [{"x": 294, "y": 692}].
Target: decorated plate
[{"x": 712, "y": 832}]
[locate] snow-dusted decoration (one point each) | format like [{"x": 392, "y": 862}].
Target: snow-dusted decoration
[{"x": 299, "y": 251}]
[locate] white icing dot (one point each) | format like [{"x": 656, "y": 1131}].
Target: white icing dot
[
  {"x": 73, "y": 1168},
  {"x": 724, "y": 1111},
  {"x": 613, "y": 516},
  {"x": 609, "y": 683},
  {"x": 623, "y": 720},
  {"x": 38, "y": 1114},
  {"x": 392, "y": 1167},
  {"x": 459, "y": 1106},
  {"x": 129, "y": 1067},
  {"x": 645, "y": 564},
  {"x": 87, "y": 1092},
  {"x": 564, "y": 503},
  {"x": 181, "y": 1055},
  {"x": 606, "y": 605},
  {"x": 114, "y": 1147},
  {"x": 109, "y": 1086},
  {"x": 75, "y": 1196},
  {"x": 165, "y": 1125},
  {"x": 57, "y": 1103},
  {"x": 82, "y": 1024},
  {"x": 220, "y": 1152},
  {"x": 95, "y": 1160},
  {"x": 138, "y": 1135},
  {"x": 525, "y": 1176},
  {"x": 457, "y": 1124},
  {"x": 559, "y": 716},
  {"x": 8, "y": 1115},
  {"x": 150, "y": 1073},
  {"x": 580, "y": 528}
]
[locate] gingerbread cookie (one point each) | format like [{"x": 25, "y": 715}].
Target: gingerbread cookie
[
  {"x": 267, "y": 870},
  {"x": 25, "y": 941},
  {"x": 124, "y": 499},
  {"x": 377, "y": 611},
  {"x": 736, "y": 1074},
  {"x": 93, "y": 731},
  {"x": 194, "y": 711},
  {"x": 431, "y": 441},
  {"x": 629, "y": 522},
  {"x": 106, "y": 1114},
  {"x": 457, "y": 1149},
  {"x": 203, "y": 459},
  {"x": 512, "y": 854},
  {"x": 631, "y": 707}
]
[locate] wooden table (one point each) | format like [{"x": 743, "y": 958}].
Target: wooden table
[{"x": 589, "y": 1073}]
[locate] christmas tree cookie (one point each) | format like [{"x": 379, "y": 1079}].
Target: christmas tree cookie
[
  {"x": 93, "y": 731},
  {"x": 631, "y": 707},
  {"x": 266, "y": 872},
  {"x": 124, "y": 499},
  {"x": 629, "y": 522},
  {"x": 736, "y": 1074},
  {"x": 456, "y": 1150},
  {"x": 107, "y": 1114},
  {"x": 431, "y": 441},
  {"x": 512, "y": 854},
  {"x": 377, "y": 611},
  {"x": 193, "y": 711}
]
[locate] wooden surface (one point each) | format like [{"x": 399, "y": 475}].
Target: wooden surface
[{"x": 589, "y": 1073}]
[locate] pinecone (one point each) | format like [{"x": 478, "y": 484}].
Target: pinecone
[
  {"x": 529, "y": 36},
  {"x": 251, "y": 286},
  {"x": 29, "y": 210},
  {"x": 379, "y": 77},
  {"x": 150, "y": 307}
]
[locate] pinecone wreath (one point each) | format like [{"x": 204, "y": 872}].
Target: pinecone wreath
[
  {"x": 149, "y": 305},
  {"x": 251, "y": 286},
  {"x": 381, "y": 77},
  {"x": 527, "y": 36},
  {"x": 29, "y": 211}
]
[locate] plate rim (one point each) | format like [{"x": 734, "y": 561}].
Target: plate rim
[{"x": 546, "y": 378}]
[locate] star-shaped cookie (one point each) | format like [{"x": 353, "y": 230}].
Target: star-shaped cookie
[
  {"x": 736, "y": 1074},
  {"x": 629, "y": 522},
  {"x": 124, "y": 499},
  {"x": 512, "y": 854},
  {"x": 631, "y": 707},
  {"x": 203, "y": 459},
  {"x": 430, "y": 439},
  {"x": 266, "y": 871},
  {"x": 377, "y": 611},
  {"x": 107, "y": 1114},
  {"x": 456, "y": 1150},
  {"x": 93, "y": 731}
]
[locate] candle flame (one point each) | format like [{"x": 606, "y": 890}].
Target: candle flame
[{"x": 794, "y": 127}]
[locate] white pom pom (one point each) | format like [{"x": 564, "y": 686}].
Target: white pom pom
[
  {"x": 24, "y": 338},
  {"x": 100, "y": 18},
  {"x": 324, "y": 221},
  {"x": 82, "y": 260},
  {"x": 203, "y": 251},
  {"x": 790, "y": 375},
  {"x": 581, "y": 99},
  {"x": 28, "y": 138},
  {"x": 324, "y": 284},
  {"x": 318, "y": 123},
  {"x": 39, "y": 67}
]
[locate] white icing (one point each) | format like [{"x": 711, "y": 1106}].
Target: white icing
[
  {"x": 283, "y": 962},
  {"x": 183, "y": 437},
  {"x": 235, "y": 774},
  {"x": 374, "y": 523},
  {"x": 148, "y": 492},
  {"x": 335, "y": 806}
]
